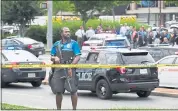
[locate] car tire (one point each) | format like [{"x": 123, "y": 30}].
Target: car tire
[
  {"x": 36, "y": 83},
  {"x": 143, "y": 94},
  {"x": 106, "y": 93}
]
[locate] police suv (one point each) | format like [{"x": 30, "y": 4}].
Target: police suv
[{"x": 108, "y": 81}]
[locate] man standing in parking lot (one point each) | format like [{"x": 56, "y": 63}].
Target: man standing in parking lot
[{"x": 59, "y": 80}]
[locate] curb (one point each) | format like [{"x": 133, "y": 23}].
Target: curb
[{"x": 154, "y": 93}]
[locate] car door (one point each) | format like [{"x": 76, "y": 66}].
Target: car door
[
  {"x": 3, "y": 70},
  {"x": 86, "y": 74},
  {"x": 174, "y": 71},
  {"x": 166, "y": 73}
]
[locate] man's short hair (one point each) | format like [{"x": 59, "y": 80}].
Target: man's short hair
[{"x": 62, "y": 29}]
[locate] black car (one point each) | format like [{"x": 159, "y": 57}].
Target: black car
[
  {"x": 106, "y": 82},
  {"x": 25, "y": 43},
  {"x": 160, "y": 51},
  {"x": 13, "y": 74}
]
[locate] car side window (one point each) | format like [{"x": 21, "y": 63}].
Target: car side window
[
  {"x": 167, "y": 60},
  {"x": 11, "y": 42},
  {"x": 111, "y": 58},
  {"x": 83, "y": 57},
  {"x": 92, "y": 58}
]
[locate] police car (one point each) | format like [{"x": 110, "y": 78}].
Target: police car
[
  {"x": 108, "y": 81},
  {"x": 96, "y": 40}
]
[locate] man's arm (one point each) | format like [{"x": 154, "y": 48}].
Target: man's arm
[
  {"x": 76, "y": 59},
  {"x": 77, "y": 52}
]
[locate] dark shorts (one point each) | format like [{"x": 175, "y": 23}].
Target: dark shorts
[{"x": 60, "y": 82}]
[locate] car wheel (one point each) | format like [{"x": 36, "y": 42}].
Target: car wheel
[
  {"x": 143, "y": 93},
  {"x": 103, "y": 90},
  {"x": 36, "y": 83}
]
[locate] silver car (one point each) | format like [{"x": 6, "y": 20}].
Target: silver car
[{"x": 12, "y": 74}]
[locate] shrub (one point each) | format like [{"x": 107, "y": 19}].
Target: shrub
[{"x": 39, "y": 32}]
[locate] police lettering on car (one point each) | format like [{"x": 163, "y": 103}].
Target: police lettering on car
[{"x": 65, "y": 51}]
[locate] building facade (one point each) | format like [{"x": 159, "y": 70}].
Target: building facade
[{"x": 153, "y": 11}]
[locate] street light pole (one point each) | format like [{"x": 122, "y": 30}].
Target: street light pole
[
  {"x": 160, "y": 14},
  {"x": 148, "y": 12},
  {"x": 50, "y": 27}
]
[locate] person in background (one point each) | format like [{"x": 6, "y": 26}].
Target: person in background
[
  {"x": 123, "y": 29},
  {"x": 150, "y": 36},
  {"x": 98, "y": 30},
  {"x": 80, "y": 36},
  {"x": 167, "y": 35},
  {"x": 165, "y": 41},
  {"x": 157, "y": 38},
  {"x": 172, "y": 39},
  {"x": 134, "y": 37},
  {"x": 90, "y": 32}
]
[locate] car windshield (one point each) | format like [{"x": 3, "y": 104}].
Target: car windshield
[
  {"x": 27, "y": 40},
  {"x": 115, "y": 43},
  {"x": 137, "y": 58},
  {"x": 20, "y": 55}
]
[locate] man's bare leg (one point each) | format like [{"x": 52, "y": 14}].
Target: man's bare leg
[
  {"x": 74, "y": 98},
  {"x": 59, "y": 101}
]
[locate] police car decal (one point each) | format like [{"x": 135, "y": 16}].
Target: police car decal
[{"x": 85, "y": 76}]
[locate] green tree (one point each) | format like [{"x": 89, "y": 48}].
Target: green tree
[
  {"x": 20, "y": 13},
  {"x": 62, "y": 6},
  {"x": 87, "y": 8}
]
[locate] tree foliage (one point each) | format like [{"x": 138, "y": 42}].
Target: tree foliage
[
  {"x": 62, "y": 6},
  {"x": 87, "y": 8},
  {"x": 19, "y": 13}
]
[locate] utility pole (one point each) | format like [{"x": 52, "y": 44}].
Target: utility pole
[
  {"x": 160, "y": 14},
  {"x": 49, "y": 35},
  {"x": 148, "y": 12}
]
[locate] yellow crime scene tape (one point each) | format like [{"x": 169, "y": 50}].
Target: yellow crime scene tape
[{"x": 87, "y": 66}]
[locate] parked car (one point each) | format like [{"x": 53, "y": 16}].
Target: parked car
[
  {"x": 168, "y": 75},
  {"x": 160, "y": 51},
  {"x": 96, "y": 40},
  {"x": 25, "y": 43},
  {"x": 113, "y": 41},
  {"x": 109, "y": 81},
  {"x": 117, "y": 41},
  {"x": 13, "y": 74}
]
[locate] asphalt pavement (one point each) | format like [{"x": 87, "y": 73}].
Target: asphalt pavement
[
  {"x": 42, "y": 97},
  {"x": 26, "y": 95}
]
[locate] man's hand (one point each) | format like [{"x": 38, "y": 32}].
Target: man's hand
[
  {"x": 55, "y": 59},
  {"x": 70, "y": 72}
]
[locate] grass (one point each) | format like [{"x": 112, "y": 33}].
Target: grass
[{"x": 5, "y": 106}]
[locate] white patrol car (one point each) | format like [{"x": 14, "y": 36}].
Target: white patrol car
[
  {"x": 168, "y": 75},
  {"x": 119, "y": 41},
  {"x": 96, "y": 40}
]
